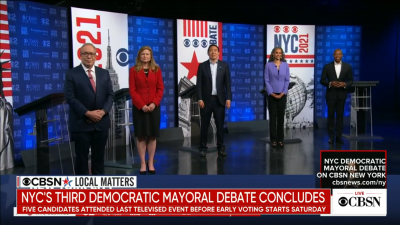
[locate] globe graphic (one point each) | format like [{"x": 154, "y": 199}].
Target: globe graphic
[{"x": 297, "y": 97}]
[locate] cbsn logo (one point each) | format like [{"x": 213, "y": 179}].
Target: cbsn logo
[
  {"x": 360, "y": 201},
  {"x": 42, "y": 181}
]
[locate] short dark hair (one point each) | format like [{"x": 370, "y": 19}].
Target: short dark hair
[{"x": 208, "y": 50}]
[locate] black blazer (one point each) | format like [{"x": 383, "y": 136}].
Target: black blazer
[
  {"x": 204, "y": 82},
  {"x": 329, "y": 75},
  {"x": 81, "y": 98}
]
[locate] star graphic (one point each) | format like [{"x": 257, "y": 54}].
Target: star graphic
[
  {"x": 67, "y": 182},
  {"x": 192, "y": 66}
]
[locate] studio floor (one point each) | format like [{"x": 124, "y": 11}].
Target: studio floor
[{"x": 248, "y": 155}]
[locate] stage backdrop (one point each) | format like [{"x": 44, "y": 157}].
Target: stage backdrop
[
  {"x": 297, "y": 41},
  {"x": 244, "y": 52},
  {"x": 242, "y": 47},
  {"x": 193, "y": 38},
  {"x": 39, "y": 50},
  {"x": 158, "y": 34},
  {"x": 108, "y": 32},
  {"x": 329, "y": 38}
]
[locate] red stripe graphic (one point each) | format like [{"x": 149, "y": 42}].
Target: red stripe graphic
[
  {"x": 4, "y": 36},
  {"x": 297, "y": 56},
  {"x": 202, "y": 28},
  {"x": 6, "y": 56},
  {"x": 194, "y": 29},
  {"x": 7, "y": 93},
  {"x": 6, "y": 74},
  {"x": 206, "y": 30},
  {"x": 3, "y": 17},
  {"x": 189, "y": 28},
  {"x": 4, "y": 27},
  {"x": 198, "y": 28},
  {"x": 7, "y": 84},
  {"x": 184, "y": 28},
  {"x": 3, "y": 7},
  {"x": 7, "y": 66},
  {"x": 4, "y": 46},
  {"x": 301, "y": 65}
]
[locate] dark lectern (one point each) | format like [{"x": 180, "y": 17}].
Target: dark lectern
[
  {"x": 40, "y": 108},
  {"x": 119, "y": 148},
  {"x": 361, "y": 111}
]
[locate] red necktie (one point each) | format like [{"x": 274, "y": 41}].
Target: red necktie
[{"x": 92, "y": 81}]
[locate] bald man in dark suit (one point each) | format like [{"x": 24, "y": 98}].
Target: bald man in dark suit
[{"x": 337, "y": 76}]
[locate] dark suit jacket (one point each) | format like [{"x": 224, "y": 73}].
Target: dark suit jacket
[
  {"x": 145, "y": 90},
  {"x": 81, "y": 98},
  {"x": 329, "y": 75},
  {"x": 204, "y": 82}
]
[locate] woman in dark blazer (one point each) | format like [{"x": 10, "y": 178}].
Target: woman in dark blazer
[
  {"x": 277, "y": 77},
  {"x": 146, "y": 88}
]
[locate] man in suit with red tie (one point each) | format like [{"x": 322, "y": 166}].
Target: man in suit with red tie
[
  {"x": 89, "y": 94},
  {"x": 213, "y": 88},
  {"x": 337, "y": 76}
]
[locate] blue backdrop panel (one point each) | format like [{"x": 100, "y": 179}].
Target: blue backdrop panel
[
  {"x": 243, "y": 49},
  {"x": 39, "y": 45},
  {"x": 158, "y": 34},
  {"x": 329, "y": 38}
]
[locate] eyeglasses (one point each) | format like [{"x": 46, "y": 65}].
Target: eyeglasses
[{"x": 86, "y": 54}]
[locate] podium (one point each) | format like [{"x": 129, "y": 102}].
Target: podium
[
  {"x": 361, "y": 127},
  {"x": 119, "y": 148},
  {"x": 190, "y": 93},
  {"x": 41, "y": 106},
  {"x": 286, "y": 140}
]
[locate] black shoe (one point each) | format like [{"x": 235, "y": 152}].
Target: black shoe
[
  {"x": 222, "y": 152},
  {"x": 202, "y": 153},
  {"x": 330, "y": 141},
  {"x": 142, "y": 172},
  {"x": 151, "y": 172},
  {"x": 339, "y": 141}
]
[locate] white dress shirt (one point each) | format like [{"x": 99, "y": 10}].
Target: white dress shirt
[
  {"x": 338, "y": 68},
  {"x": 214, "y": 67},
  {"x": 92, "y": 71}
]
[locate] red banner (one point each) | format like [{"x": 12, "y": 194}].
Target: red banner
[{"x": 179, "y": 202}]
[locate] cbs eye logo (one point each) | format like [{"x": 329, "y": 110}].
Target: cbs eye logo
[
  {"x": 343, "y": 201},
  {"x": 204, "y": 43},
  {"x": 122, "y": 57},
  {"x": 195, "y": 43},
  {"x": 26, "y": 181},
  {"x": 186, "y": 43}
]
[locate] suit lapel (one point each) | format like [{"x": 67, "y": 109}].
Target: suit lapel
[
  {"x": 341, "y": 71},
  {"x": 143, "y": 74},
  {"x": 208, "y": 69},
  {"x": 334, "y": 71},
  {"x": 219, "y": 71},
  {"x": 99, "y": 80}
]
